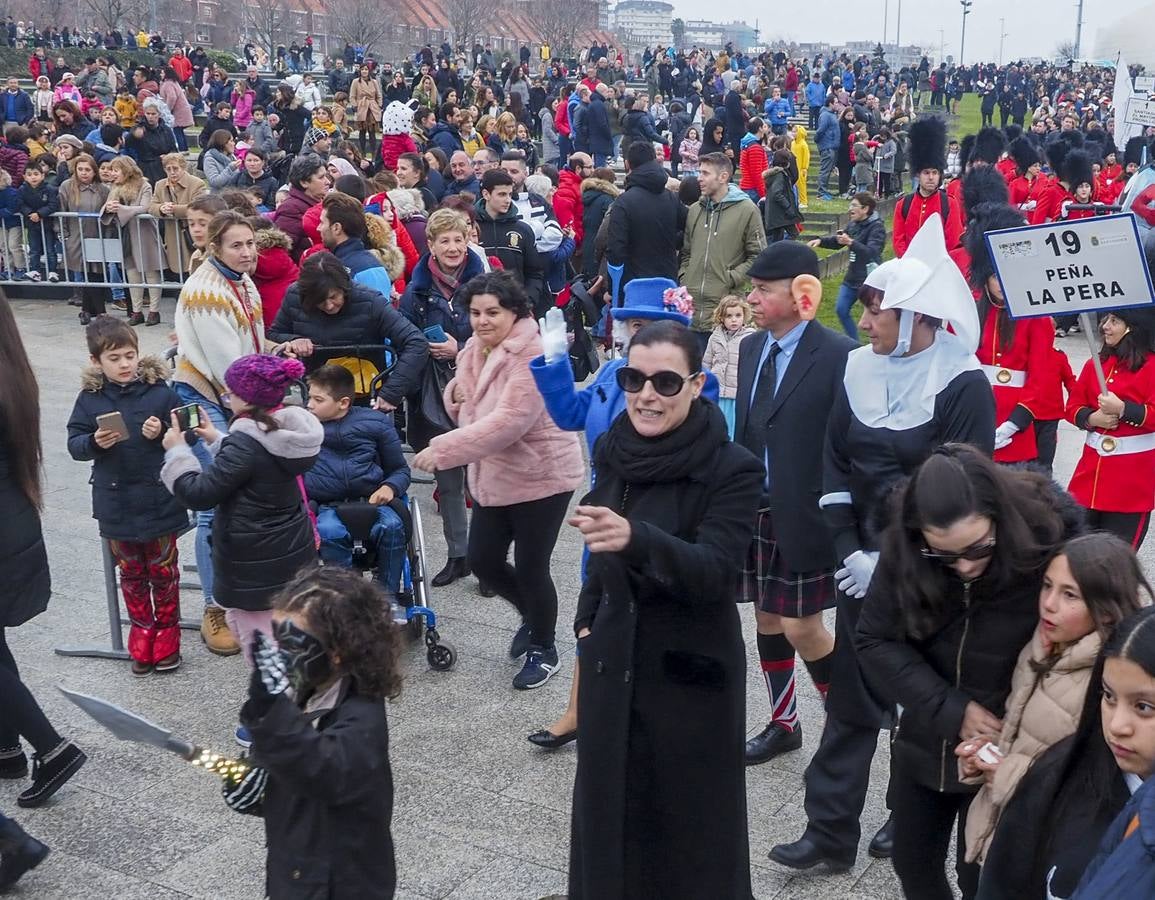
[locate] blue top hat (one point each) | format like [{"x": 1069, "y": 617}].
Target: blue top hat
[{"x": 644, "y": 300}]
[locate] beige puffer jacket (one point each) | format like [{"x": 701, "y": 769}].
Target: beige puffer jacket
[{"x": 1041, "y": 711}]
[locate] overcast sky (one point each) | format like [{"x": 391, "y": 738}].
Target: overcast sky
[{"x": 1033, "y": 27}]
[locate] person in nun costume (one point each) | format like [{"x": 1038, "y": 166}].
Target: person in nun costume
[{"x": 917, "y": 385}]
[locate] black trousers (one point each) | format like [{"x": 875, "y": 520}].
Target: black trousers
[
  {"x": 20, "y": 714},
  {"x": 1130, "y": 527},
  {"x": 836, "y": 783},
  {"x": 923, "y": 819},
  {"x": 1047, "y": 440},
  {"x": 532, "y": 528}
]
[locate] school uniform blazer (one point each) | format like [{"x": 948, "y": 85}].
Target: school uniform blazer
[{"x": 795, "y": 434}]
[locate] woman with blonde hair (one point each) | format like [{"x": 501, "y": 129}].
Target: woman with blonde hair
[
  {"x": 82, "y": 192},
  {"x": 504, "y": 135},
  {"x": 128, "y": 205},
  {"x": 365, "y": 94},
  {"x": 426, "y": 93},
  {"x": 170, "y": 199}
]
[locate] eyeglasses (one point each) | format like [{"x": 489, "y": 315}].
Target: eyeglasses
[
  {"x": 970, "y": 554},
  {"x": 668, "y": 384}
]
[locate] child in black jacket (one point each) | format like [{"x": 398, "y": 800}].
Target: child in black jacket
[
  {"x": 39, "y": 199},
  {"x": 137, "y": 514},
  {"x": 316, "y": 711}
]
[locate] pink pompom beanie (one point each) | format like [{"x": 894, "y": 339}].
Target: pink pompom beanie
[{"x": 261, "y": 379}]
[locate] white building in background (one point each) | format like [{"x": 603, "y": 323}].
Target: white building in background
[
  {"x": 644, "y": 23},
  {"x": 1130, "y": 34},
  {"x": 700, "y": 33}
]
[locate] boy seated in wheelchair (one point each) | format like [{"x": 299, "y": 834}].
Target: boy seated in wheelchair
[{"x": 360, "y": 462}]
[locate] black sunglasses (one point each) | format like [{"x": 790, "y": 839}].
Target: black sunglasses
[
  {"x": 668, "y": 384},
  {"x": 970, "y": 554}
]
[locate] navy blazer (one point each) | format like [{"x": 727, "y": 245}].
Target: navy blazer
[{"x": 795, "y": 434}]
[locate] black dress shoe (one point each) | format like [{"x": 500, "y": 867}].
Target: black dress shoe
[
  {"x": 771, "y": 741},
  {"x": 485, "y": 589},
  {"x": 882, "y": 844},
  {"x": 547, "y": 740},
  {"x": 805, "y": 854},
  {"x": 455, "y": 567}
]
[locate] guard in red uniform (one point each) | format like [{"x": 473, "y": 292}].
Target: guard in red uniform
[
  {"x": 982, "y": 187},
  {"x": 1059, "y": 190},
  {"x": 927, "y": 162},
  {"x": 1015, "y": 355},
  {"x": 1115, "y": 477},
  {"x": 982, "y": 149},
  {"x": 1026, "y": 186}
]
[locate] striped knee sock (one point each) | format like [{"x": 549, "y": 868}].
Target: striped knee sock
[
  {"x": 777, "y": 658},
  {"x": 819, "y": 670}
]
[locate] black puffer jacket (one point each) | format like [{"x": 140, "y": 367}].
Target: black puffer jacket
[
  {"x": 645, "y": 222},
  {"x": 970, "y": 657},
  {"x": 23, "y": 559},
  {"x": 868, "y": 238},
  {"x": 128, "y": 499},
  {"x": 261, "y": 533},
  {"x": 597, "y": 196},
  {"x": 366, "y": 318}
]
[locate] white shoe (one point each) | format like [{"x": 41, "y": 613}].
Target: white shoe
[{"x": 52, "y": 277}]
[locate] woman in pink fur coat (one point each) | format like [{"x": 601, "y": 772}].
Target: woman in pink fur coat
[{"x": 523, "y": 469}]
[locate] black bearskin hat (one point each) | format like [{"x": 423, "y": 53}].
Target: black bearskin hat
[
  {"x": 927, "y": 144},
  {"x": 1095, "y": 145},
  {"x": 1074, "y": 139},
  {"x": 965, "y": 148},
  {"x": 1024, "y": 154},
  {"x": 1056, "y": 152},
  {"x": 1076, "y": 170},
  {"x": 983, "y": 218},
  {"x": 1013, "y": 132},
  {"x": 983, "y": 185},
  {"x": 1140, "y": 320},
  {"x": 989, "y": 146},
  {"x": 1133, "y": 152}
]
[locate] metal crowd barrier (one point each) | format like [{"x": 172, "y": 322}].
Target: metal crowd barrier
[{"x": 104, "y": 246}]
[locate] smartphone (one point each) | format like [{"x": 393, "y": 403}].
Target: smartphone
[
  {"x": 113, "y": 421},
  {"x": 990, "y": 753},
  {"x": 188, "y": 417},
  {"x": 435, "y": 334}
]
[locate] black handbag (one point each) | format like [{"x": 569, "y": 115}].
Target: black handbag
[
  {"x": 582, "y": 312},
  {"x": 438, "y": 373}
]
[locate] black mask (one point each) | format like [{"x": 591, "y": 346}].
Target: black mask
[{"x": 305, "y": 658}]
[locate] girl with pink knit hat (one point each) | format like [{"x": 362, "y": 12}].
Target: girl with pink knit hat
[{"x": 261, "y": 534}]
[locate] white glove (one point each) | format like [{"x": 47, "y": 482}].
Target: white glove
[
  {"x": 554, "y": 341},
  {"x": 269, "y": 664},
  {"x": 1004, "y": 433},
  {"x": 858, "y": 569},
  {"x": 244, "y": 794}
]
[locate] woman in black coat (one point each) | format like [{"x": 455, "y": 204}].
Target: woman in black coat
[
  {"x": 952, "y": 603},
  {"x": 659, "y": 807},
  {"x": 845, "y": 127},
  {"x": 780, "y": 212},
  {"x": 713, "y": 138},
  {"x": 24, "y": 574},
  {"x": 312, "y": 316},
  {"x": 292, "y": 119}
]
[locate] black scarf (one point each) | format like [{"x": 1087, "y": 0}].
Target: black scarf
[{"x": 687, "y": 450}]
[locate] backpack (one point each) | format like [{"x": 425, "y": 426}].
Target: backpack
[
  {"x": 909, "y": 199},
  {"x": 581, "y": 313}
]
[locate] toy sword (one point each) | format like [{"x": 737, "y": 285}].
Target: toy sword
[{"x": 128, "y": 726}]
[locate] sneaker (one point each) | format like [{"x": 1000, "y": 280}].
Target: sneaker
[
  {"x": 521, "y": 642},
  {"x": 242, "y": 737},
  {"x": 51, "y": 772},
  {"x": 53, "y": 277},
  {"x": 141, "y": 669},
  {"x": 540, "y": 666},
  {"x": 169, "y": 664},
  {"x": 215, "y": 633},
  {"x": 34, "y": 275},
  {"x": 120, "y": 305}
]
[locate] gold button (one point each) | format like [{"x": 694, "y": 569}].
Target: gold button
[
  {"x": 1108, "y": 444},
  {"x": 1003, "y": 377}
]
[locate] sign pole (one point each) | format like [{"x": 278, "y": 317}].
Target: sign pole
[{"x": 1087, "y": 323}]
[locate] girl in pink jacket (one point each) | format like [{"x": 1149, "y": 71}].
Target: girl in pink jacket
[{"x": 522, "y": 468}]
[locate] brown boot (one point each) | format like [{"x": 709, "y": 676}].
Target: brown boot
[
  {"x": 216, "y": 635},
  {"x": 153, "y": 318}
]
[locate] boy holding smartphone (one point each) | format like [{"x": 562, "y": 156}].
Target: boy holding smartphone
[{"x": 117, "y": 422}]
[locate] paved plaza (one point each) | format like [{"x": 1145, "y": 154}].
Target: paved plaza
[{"x": 480, "y": 814}]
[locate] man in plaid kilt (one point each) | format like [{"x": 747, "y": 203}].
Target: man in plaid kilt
[{"x": 789, "y": 373}]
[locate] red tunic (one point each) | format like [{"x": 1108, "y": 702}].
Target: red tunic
[
  {"x": 1116, "y": 480},
  {"x": 1050, "y": 206},
  {"x": 1016, "y": 373},
  {"x": 904, "y": 228},
  {"x": 1007, "y": 168},
  {"x": 1025, "y": 192},
  {"x": 1049, "y": 403}
]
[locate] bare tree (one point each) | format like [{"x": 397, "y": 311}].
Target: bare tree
[
  {"x": 466, "y": 18},
  {"x": 558, "y": 23},
  {"x": 109, "y": 14},
  {"x": 1065, "y": 50},
  {"x": 269, "y": 22},
  {"x": 363, "y": 23}
]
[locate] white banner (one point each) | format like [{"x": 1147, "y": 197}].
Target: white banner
[
  {"x": 1121, "y": 96},
  {"x": 1064, "y": 268},
  {"x": 1140, "y": 112},
  {"x": 1145, "y": 84}
]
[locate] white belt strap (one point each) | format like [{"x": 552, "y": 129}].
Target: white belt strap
[
  {"x": 1002, "y": 377},
  {"x": 1109, "y": 445}
]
